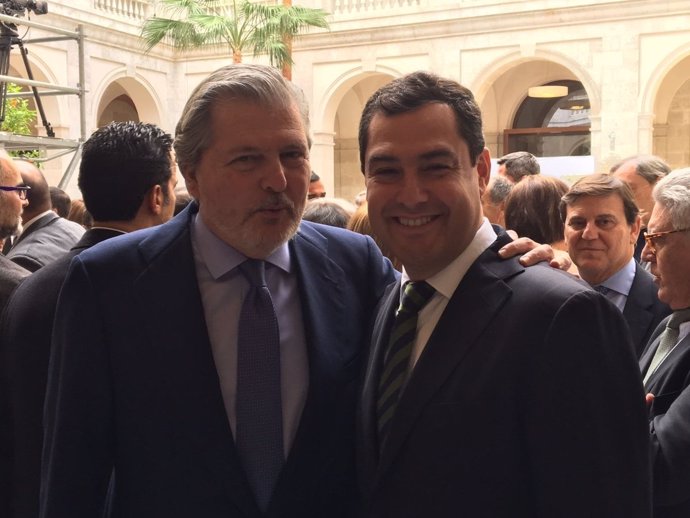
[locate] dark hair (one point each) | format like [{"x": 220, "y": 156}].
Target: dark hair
[
  {"x": 601, "y": 185},
  {"x": 532, "y": 208},
  {"x": 120, "y": 163},
  {"x": 61, "y": 201},
  {"x": 182, "y": 199},
  {"x": 519, "y": 164},
  {"x": 418, "y": 89}
]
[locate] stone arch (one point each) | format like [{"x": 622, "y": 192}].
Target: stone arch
[
  {"x": 502, "y": 88},
  {"x": 134, "y": 87},
  {"x": 667, "y": 96},
  {"x": 337, "y": 116}
]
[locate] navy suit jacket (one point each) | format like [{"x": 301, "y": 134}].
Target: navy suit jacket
[
  {"x": 669, "y": 426},
  {"x": 133, "y": 383},
  {"x": 526, "y": 402},
  {"x": 643, "y": 310},
  {"x": 24, "y": 353}
]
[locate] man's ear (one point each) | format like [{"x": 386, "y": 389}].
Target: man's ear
[
  {"x": 155, "y": 199},
  {"x": 483, "y": 169},
  {"x": 635, "y": 230}
]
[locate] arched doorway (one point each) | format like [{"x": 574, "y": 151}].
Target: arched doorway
[{"x": 551, "y": 126}]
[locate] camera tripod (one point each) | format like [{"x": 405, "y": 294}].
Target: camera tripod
[{"x": 9, "y": 37}]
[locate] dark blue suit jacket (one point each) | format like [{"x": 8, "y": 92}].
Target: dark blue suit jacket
[
  {"x": 24, "y": 351},
  {"x": 526, "y": 402},
  {"x": 133, "y": 383},
  {"x": 669, "y": 426},
  {"x": 643, "y": 310}
]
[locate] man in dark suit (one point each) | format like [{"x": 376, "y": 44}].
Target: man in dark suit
[
  {"x": 12, "y": 203},
  {"x": 514, "y": 391},
  {"x": 602, "y": 223},
  {"x": 127, "y": 177},
  {"x": 148, "y": 373},
  {"x": 665, "y": 364},
  {"x": 45, "y": 236}
]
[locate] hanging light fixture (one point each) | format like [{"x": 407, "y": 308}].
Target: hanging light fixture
[{"x": 547, "y": 91}]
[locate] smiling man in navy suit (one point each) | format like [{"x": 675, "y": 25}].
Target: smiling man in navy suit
[
  {"x": 151, "y": 334},
  {"x": 493, "y": 390}
]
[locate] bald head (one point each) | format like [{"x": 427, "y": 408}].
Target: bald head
[{"x": 39, "y": 195}]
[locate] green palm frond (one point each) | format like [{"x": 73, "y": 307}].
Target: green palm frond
[{"x": 240, "y": 25}]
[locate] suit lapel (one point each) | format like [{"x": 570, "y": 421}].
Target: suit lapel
[
  {"x": 637, "y": 311},
  {"x": 648, "y": 354},
  {"x": 368, "y": 454},
  {"x": 169, "y": 275},
  {"x": 321, "y": 284},
  {"x": 474, "y": 305}
]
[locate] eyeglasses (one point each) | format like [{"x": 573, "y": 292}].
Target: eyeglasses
[
  {"x": 649, "y": 238},
  {"x": 21, "y": 190}
]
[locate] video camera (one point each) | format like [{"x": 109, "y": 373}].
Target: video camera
[{"x": 18, "y": 7}]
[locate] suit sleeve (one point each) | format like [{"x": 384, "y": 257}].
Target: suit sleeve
[
  {"x": 586, "y": 419},
  {"x": 670, "y": 444},
  {"x": 79, "y": 443}
]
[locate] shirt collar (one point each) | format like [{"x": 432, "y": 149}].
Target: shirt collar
[
  {"x": 220, "y": 257},
  {"x": 446, "y": 281},
  {"x": 35, "y": 219},
  {"x": 622, "y": 280}
]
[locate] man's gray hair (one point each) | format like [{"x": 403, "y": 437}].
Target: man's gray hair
[
  {"x": 254, "y": 83},
  {"x": 673, "y": 194},
  {"x": 498, "y": 190},
  {"x": 650, "y": 167}
]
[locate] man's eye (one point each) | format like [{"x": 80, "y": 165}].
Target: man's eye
[
  {"x": 606, "y": 223},
  {"x": 576, "y": 224},
  {"x": 293, "y": 158},
  {"x": 437, "y": 168},
  {"x": 382, "y": 173}
]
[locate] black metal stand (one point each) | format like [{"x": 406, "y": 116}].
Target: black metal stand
[{"x": 8, "y": 38}]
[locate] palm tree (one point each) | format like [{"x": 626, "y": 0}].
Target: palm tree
[{"x": 238, "y": 25}]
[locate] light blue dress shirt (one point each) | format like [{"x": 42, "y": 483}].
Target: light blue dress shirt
[{"x": 223, "y": 288}]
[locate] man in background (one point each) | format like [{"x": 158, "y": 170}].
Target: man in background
[
  {"x": 641, "y": 173},
  {"x": 316, "y": 188},
  {"x": 494, "y": 199},
  {"x": 127, "y": 177},
  {"x": 60, "y": 201},
  {"x": 12, "y": 202},
  {"x": 46, "y": 236},
  {"x": 514, "y": 166},
  {"x": 601, "y": 228}
]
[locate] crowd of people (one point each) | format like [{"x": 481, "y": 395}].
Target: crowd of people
[{"x": 449, "y": 343}]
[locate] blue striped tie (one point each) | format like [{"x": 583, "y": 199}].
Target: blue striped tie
[
  {"x": 259, "y": 430},
  {"x": 397, "y": 358}
]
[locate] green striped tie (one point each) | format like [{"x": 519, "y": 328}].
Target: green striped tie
[{"x": 397, "y": 358}]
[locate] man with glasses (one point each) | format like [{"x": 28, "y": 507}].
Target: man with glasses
[
  {"x": 12, "y": 203},
  {"x": 665, "y": 364},
  {"x": 45, "y": 236}
]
